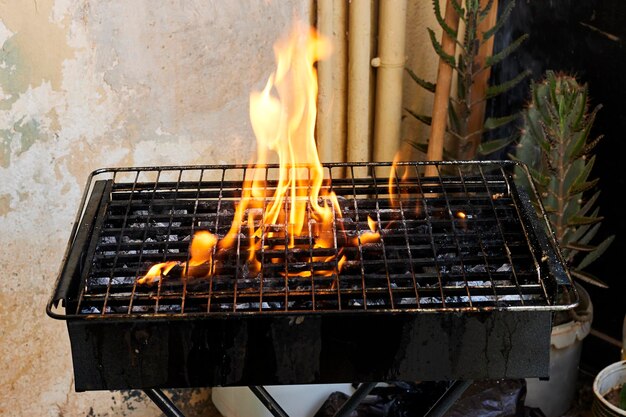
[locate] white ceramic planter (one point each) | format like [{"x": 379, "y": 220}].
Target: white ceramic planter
[
  {"x": 610, "y": 377},
  {"x": 555, "y": 396}
]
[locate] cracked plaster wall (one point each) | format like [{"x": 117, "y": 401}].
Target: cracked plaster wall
[{"x": 86, "y": 84}]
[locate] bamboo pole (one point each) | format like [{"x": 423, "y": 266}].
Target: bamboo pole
[
  {"x": 331, "y": 114},
  {"x": 479, "y": 86},
  {"x": 442, "y": 94},
  {"x": 390, "y": 61},
  {"x": 359, "y": 75}
]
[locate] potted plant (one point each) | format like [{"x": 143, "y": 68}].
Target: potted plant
[
  {"x": 609, "y": 386},
  {"x": 609, "y": 390},
  {"x": 468, "y": 55},
  {"x": 555, "y": 144}
]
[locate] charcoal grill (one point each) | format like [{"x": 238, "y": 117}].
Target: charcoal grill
[{"x": 461, "y": 285}]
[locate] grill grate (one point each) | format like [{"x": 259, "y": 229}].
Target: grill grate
[{"x": 464, "y": 239}]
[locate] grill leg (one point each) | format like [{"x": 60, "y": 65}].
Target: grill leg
[
  {"x": 448, "y": 398},
  {"x": 164, "y": 403},
  {"x": 268, "y": 401},
  {"x": 348, "y": 407},
  {"x": 355, "y": 399}
]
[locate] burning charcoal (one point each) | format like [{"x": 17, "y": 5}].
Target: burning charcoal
[
  {"x": 198, "y": 271},
  {"x": 138, "y": 225},
  {"x": 245, "y": 271},
  {"x": 118, "y": 281},
  {"x": 248, "y": 285},
  {"x": 480, "y": 299},
  {"x": 161, "y": 238},
  {"x": 423, "y": 229},
  {"x": 226, "y": 213},
  {"x": 477, "y": 268},
  {"x": 478, "y": 283},
  {"x": 176, "y": 272},
  {"x": 345, "y": 220},
  {"x": 141, "y": 309},
  {"x": 504, "y": 268},
  {"x": 169, "y": 308}
]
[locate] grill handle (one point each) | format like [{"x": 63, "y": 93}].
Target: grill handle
[
  {"x": 550, "y": 252},
  {"x": 78, "y": 243}
]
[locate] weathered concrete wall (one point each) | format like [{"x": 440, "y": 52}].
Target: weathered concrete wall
[
  {"x": 86, "y": 84},
  {"x": 92, "y": 83}
]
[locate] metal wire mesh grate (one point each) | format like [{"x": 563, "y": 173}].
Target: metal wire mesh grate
[{"x": 459, "y": 240}]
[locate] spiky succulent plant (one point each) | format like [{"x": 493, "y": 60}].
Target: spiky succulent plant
[
  {"x": 556, "y": 146},
  {"x": 466, "y": 138}
]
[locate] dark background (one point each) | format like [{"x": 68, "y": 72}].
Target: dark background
[{"x": 560, "y": 41}]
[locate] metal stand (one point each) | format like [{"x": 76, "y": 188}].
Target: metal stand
[
  {"x": 441, "y": 406},
  {"x": 268, "y": 401},
  {"x": 348, "y": 407},
  {"x": 164, "y": 403},
  {"x": 448, "y": 398}
]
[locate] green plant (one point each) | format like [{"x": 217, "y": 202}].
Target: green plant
[
  {"x": 465, "y": 136},
  {"x": 556, "y": 146}
]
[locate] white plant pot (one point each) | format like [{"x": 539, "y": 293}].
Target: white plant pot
[
  {"x": 610, "y": 377},
  {"x": 555, "y": 396},
  {"x": 296, "y": 400}
]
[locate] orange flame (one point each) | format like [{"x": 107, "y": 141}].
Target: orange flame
[
  {"x": 283, "y": 118},
  {"x": 368, "y": 236},
  {"x": 285, "y": 123},
  {"x": 201, "y": 254}
]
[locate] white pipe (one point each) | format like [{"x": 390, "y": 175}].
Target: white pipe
[
  {"x": 390, "y": 62},
  {"x": 359, "y": 76},
  {"x": 331, "y": 113}
]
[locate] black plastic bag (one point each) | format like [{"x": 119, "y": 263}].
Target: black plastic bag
[{"x": 499, "y": 398}]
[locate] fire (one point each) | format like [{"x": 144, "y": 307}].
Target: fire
[
  {"x": 283, "y": 118},
  {"x": 370, "y": 236},
  {"x": 395, "y": 181},
  {"x": 200, "y": 255},
  {"x": 284, "y": 122}
]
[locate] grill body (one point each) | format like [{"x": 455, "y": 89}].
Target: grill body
[
  {"x": 461, "y": 285},
  {"x": 315, "y": 348}
]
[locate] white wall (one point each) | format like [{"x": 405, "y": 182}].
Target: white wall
[
  {"x": 86, "y": 84},
  {"x": 93, "y": 83}
]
